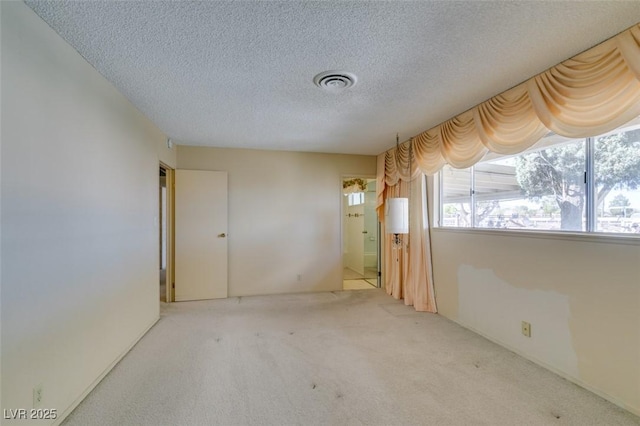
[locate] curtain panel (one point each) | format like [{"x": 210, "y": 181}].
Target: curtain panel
[
  {"x": 589, "y": 94},
  {"x": 407, "y": 269}
]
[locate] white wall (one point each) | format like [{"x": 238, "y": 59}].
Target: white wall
[
  {"x": 581, "y": 296},
  {"x": 284, "y": 216},
  {"x": 79, "y": 196}
]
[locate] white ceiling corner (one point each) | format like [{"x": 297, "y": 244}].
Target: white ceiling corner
[{"x": 240, "y": 74}]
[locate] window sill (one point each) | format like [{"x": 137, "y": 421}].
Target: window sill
[{"x": 627, "y": 239}]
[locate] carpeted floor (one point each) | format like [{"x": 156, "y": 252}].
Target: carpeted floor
[{"x": 341, "y": 358}]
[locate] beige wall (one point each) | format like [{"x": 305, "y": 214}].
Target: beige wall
[
  {"x": 79, "y": 209},
  {"x": 166, "y": 155},
  {"x": 581, "y": 296},
  {"x": 284, "y": 216},
  {"x": 79, "y": 240}
]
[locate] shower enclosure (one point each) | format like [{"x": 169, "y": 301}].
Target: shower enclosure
[{"x": 360, "y": 231}]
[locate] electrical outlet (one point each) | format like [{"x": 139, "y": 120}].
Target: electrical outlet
[
  {"x": 526, "y": 329},
  {"x": 37, "y": 396}
]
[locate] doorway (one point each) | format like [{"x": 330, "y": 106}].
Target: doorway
[
  {"x": 360, "y": 234},
  {"x": 165, "y": 233}
]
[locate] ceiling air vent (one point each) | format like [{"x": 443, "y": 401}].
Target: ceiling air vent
[{"x": 334, "y": 81}]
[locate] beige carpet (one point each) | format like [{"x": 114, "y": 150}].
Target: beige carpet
[{"x": 342, "y": 358}]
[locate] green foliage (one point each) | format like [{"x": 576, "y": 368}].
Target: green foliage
[
  {"x": 361, "y": 183},
  {"x": 619, "y": 201},
  {"x": 617, "y": 161},
  {"x": 551, "y": 171},
  {"x": 620, "y": 206},
  {"x": 549, "y": 206},
  {"x": 622, "y": 211},
  {"x": 450, "y": 210}
]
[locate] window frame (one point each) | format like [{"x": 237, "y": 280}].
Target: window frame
[{"x": 590, "y": 232}]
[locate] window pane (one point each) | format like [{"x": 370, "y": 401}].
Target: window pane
[
  {"x": 617, "y": 181},
  {"x": 456, "y": 197},
  {"x": 355, "y": 198},
  {"x": 541, "y": 189},
  {"x": 500, "y": 201}
]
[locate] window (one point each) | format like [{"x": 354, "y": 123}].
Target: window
[
  {"x": 588, "y": 185},
  {"x": 616, "y": 193},
  {"x": 355, "y": 198},
  {"x": 456, "y": 200}
]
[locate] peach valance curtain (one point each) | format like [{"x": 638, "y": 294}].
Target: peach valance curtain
[
  {"x": 589, "y": 94},
  {"x": 592, "y": 93}
]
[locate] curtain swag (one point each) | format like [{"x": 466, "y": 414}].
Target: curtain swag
[{"x": 589, "y": 94}]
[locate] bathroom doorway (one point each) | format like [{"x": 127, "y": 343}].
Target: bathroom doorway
[
  {"x": 165, "y": 233},
  {"x": 360, "y": 234}
]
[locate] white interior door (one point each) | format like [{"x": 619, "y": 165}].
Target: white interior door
[{"x": 200, "y": 235}]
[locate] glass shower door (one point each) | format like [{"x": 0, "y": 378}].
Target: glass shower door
[{"x": 370, "y": 235}]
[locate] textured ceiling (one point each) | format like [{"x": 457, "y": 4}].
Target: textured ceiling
[{"x": 240, "y": 74}]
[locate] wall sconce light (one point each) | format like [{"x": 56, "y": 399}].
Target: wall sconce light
[
  {"x": 397, "y": 208},
  {"x": 397, "y": 218}
]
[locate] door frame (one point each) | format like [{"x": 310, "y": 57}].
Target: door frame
[
  {"x": 380, "y": 251},
  {"x": 201, "y": 227},
  {"x": 170, "y": 242}
]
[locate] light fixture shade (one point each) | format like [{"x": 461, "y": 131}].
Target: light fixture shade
[{"x": 396, "y": 213}]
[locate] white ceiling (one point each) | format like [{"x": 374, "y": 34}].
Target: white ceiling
[{"x": 240, "y": 74}]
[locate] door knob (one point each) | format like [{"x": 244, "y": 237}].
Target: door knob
[{"x": 223, "y": 235}]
